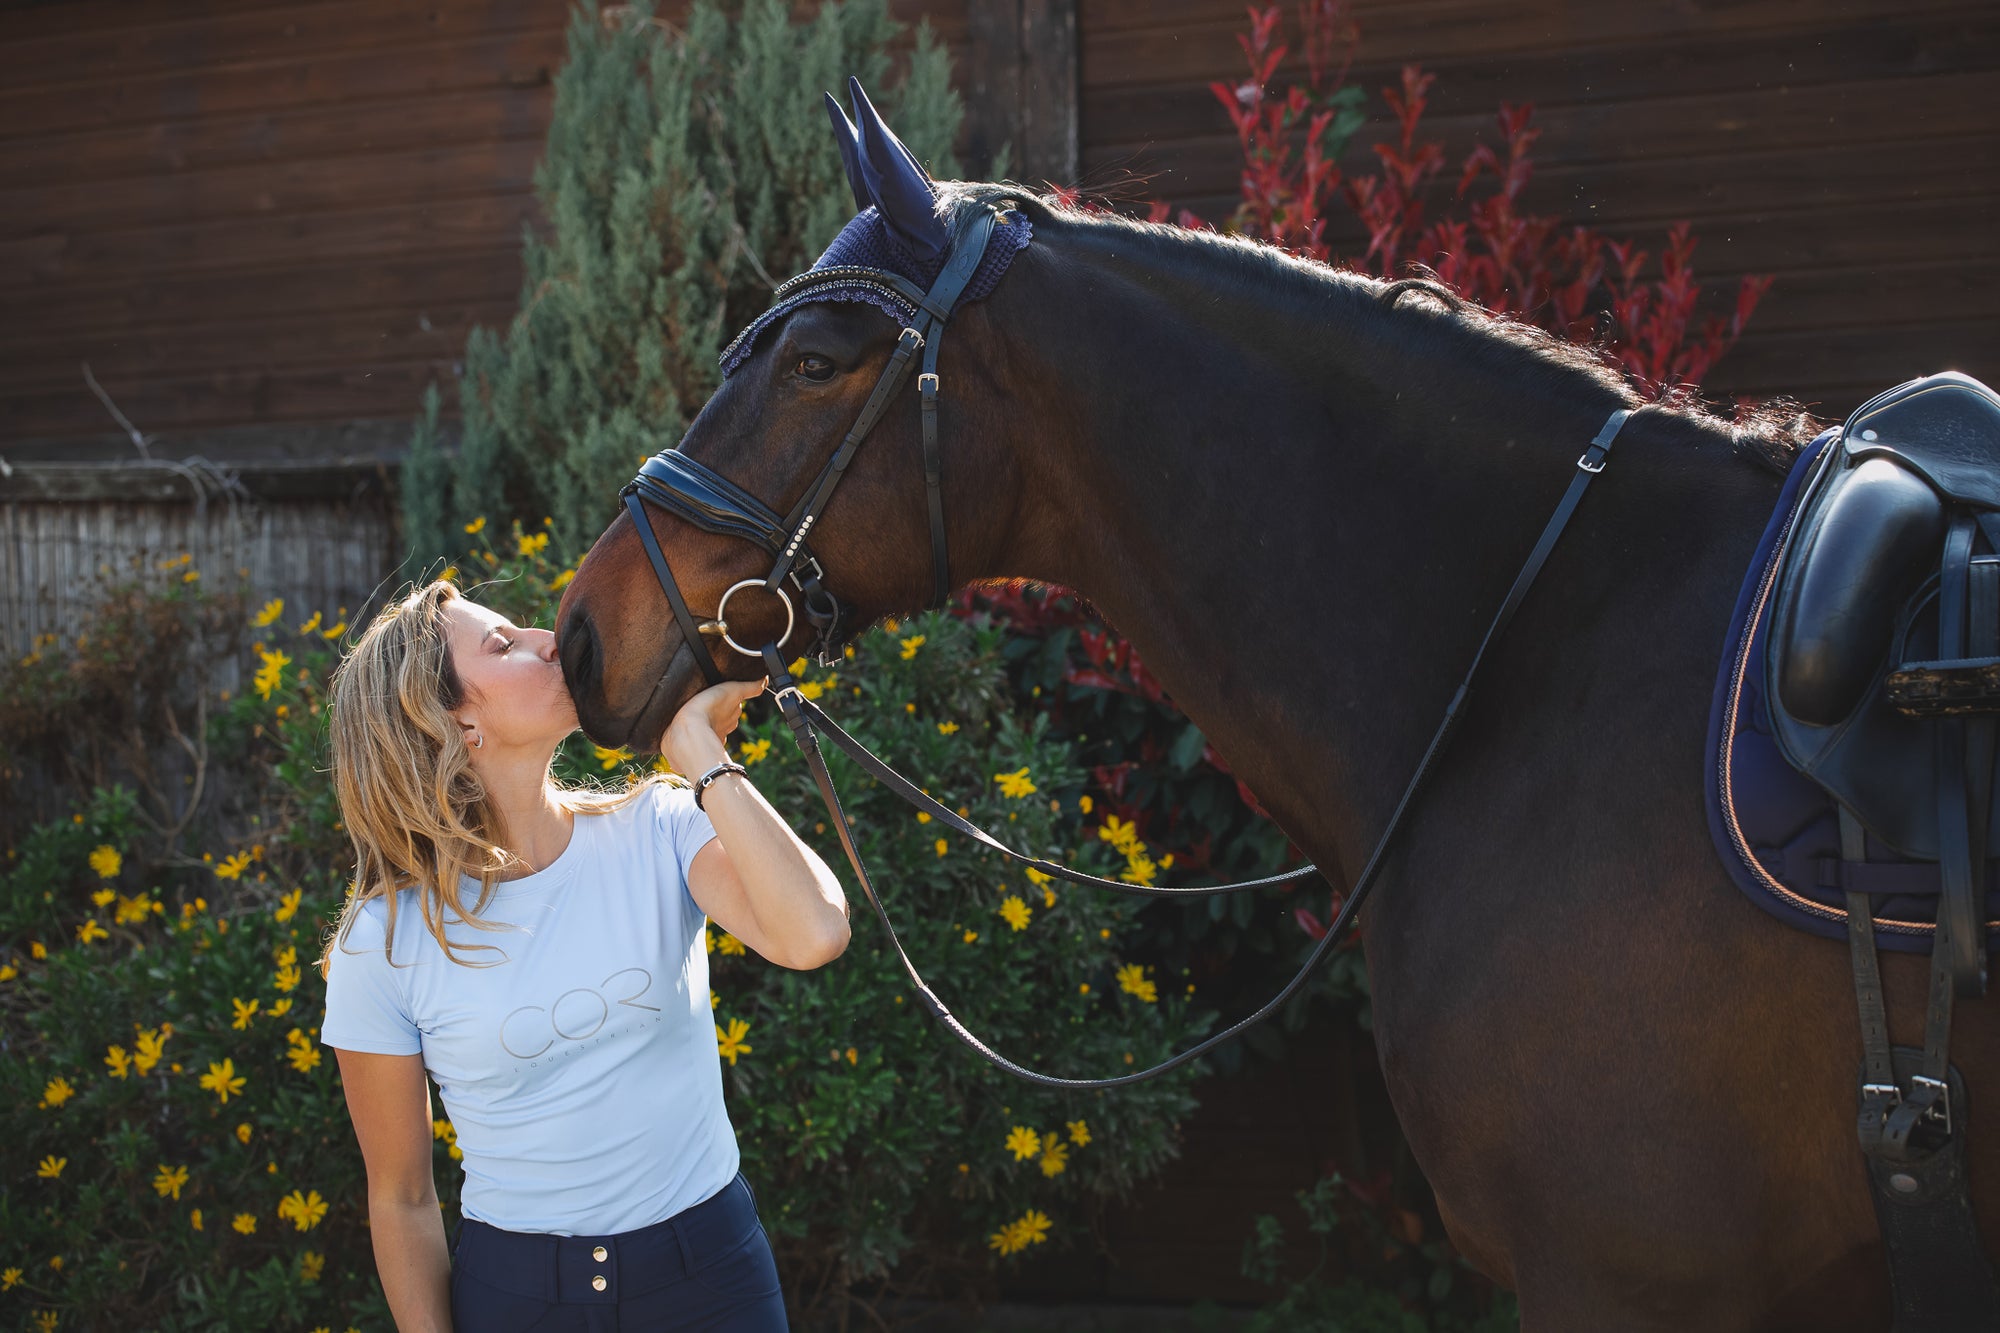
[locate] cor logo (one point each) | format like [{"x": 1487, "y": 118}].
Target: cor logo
[{"x": 575, "y": 1015}]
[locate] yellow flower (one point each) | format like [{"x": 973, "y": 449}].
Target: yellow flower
[
  {"x": 90, "y": 930},
  {"x": 1139, "y": 868},
  {"x": 972, "y": 937},
  {"x": 1079, "y": 1133},
  {"x": 1037, "y": 877},
  {"x": 752, "y": 751},
  {"x": 243, "y": 1132},
  {"x": 729, "y": 946},
  {"x": 130, "y": 911},
  {"x": 1120, "y": 833},
  {"x": 1132, "y": 980},
  {"x": 942, "y": 845},
  {"x": 287, "y": 976},
  {"x": 288, "y": 906},
  {"x": 120, "y": 1063},
  {"x": 271, "y": 674},
  {"x": 1083, "y": 803},
  {"x": 910, "y": 646},
  {"x": 714, "y": 998},
  {"x": 730, "y": 1044},
  {"x": 561, "y": 581},
  {"x": 1055, "y": 1157},
  {"x": 50, "y": 1167},
  {"x": 223, "y": 1080},
  {"x": 37, "y": 950},
  {"x": 10, "y": 1279},
  {"x": 304, "y": 1211},
  {"x": 56, "y": 1093},
  {"x": 708, "y": 941},
  {"x": 104, "y": 897},
  {"x": 305, "y": 1059},
  {"x": 245, "y": 1011},
  {"x": 533, "y": 545},
  {"x": 194, "y": 1219},
  {"x": 1034, "y": 1225},
  {"x": 310, "y": 1266},
  {"x": 168, "y": 1183},
  {"x": 947, "y": 728},
  {"x": 923, "y": 817},
  {"x": 1023, "y": 1143},
  {"x": 1006, "y": 1240},
  {"x": 477, "y": 526},
  {"x": 279, "y": 1008},
  {"x": 813, "y": 689},
  {"x": 1015, "y": 785},
  {"x": 244, "y": 1223},
  {"x": 610, "y": 759},
  {"x": 232, "y": 867},
  {"x": 46, "y": 1321},
  {"x": 269, "y": 615},
  {"x": 8, "y": 972},
  {"x": 106, "y": 861},
  {"x": 151, "y": 1044},
  {"x": 193, "y": 575},
  {"x": 1015, "y": 912},
  {"x": 450, "y": 574}
]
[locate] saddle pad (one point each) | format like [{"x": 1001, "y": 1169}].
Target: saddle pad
[{"x": 1776, "y": 830}]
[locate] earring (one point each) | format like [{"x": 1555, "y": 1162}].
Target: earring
[{"x": 478, "y": 741}]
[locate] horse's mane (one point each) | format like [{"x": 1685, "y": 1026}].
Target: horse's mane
[{"x": 1442, "y": 325}]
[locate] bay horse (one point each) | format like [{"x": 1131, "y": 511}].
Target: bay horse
[{"x": 1300, "y": 493}]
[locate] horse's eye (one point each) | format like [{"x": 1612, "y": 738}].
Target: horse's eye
[{"x": 815, "y": 368}]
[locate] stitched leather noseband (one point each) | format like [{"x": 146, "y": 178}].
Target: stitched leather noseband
[{"x": 713, "y": 503}]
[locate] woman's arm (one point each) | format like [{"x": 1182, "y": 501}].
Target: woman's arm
[
  {"x": 756, "y": 879},
  {"x": 390, "y": 1104}
]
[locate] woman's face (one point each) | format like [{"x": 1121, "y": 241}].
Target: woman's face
[{"x": 514, "y": 691}]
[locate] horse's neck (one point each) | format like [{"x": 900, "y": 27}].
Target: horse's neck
[{"x": 1305, "y": 537}]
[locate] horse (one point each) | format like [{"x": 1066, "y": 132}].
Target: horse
[{"x": 1300, "y": 492}]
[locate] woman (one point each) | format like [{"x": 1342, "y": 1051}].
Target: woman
[{"x": 539, "y": 952}]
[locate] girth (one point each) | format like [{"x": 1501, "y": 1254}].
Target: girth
[{"x": 704, "y": 497}]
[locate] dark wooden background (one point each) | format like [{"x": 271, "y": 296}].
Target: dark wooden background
[{"x": 261, "y": 214}]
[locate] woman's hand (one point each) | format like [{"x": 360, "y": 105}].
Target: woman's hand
[{"x": 693, "y": 742}]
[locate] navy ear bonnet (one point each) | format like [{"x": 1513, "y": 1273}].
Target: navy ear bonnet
[
  {"x": 867, "y": 242},
  {"x": 898, "y": 230}
]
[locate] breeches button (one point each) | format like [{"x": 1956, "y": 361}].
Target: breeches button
[
  {"x": 598, "y": 1254},
  {"x": 598, "y": 1282}
]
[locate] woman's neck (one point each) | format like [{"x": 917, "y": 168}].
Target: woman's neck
[{"x": 535, "y": 824}]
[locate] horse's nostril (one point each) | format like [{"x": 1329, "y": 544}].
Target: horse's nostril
[{"x": 577, "y": 647}]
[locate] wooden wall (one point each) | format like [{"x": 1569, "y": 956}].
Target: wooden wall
[
  {"x": 249, "y": 214},
  {"x": 1850, "y": 147}
]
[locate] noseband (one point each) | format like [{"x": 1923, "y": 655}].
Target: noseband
[{"x": 713, "y": 503}]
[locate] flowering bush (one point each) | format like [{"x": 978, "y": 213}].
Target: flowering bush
[{"x": 177, "y": 1149}]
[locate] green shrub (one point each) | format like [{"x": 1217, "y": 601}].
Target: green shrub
[{"x": 177, "y": 1150}]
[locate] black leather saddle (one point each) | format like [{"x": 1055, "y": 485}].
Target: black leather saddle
[{"x": 1884, "y": 661}]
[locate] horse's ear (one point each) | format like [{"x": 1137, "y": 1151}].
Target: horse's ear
[
  {"x": 900, "y": 187},
  {"x": 850, "y": 152}
]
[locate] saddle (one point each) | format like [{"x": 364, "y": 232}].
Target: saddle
[{"x": 1883, "y": 666}]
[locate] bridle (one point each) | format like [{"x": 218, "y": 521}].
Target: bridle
[{"x": 716, "y": 505}]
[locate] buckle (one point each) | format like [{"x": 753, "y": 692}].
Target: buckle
[
  {"x": 1940, "y": 1107},
  {"x": 1585, "y": 462},
  {"x": 927, "y": 390}
]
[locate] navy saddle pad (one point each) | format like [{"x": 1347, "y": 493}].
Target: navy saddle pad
[{"x": 1776, "y": 830}]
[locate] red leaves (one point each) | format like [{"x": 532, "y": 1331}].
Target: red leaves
[{"x": 1567, "y": 278}]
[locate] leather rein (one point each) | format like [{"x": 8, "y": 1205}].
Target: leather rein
[{"x": 716, "y": 505}]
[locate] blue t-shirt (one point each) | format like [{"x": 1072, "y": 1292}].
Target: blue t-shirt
[{"x": 580, "y": 1070}]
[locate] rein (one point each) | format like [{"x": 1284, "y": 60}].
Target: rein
[{"x": 716, "y": 505}]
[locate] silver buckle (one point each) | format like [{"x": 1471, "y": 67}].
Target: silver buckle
[
  {"x": 1940, "y": 1110},
  {"x": 1584, "y": 462}
]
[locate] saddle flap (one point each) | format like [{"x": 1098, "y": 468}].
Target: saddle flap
[{"x": 1944, "y": 427}]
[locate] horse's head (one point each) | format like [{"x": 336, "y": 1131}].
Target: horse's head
[{"x": 746, "y": 511}]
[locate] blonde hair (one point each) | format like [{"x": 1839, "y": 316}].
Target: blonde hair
[{"x": 418, "y": 814}]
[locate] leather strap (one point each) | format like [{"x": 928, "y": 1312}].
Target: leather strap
[
  {"x": 806, "y": 719},
  {"x": 1960, "y": 938},
  {"x": 690, "y": 628}
]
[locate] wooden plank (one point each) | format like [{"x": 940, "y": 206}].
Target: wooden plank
[
  {"x": 281, "y": 187},
  {"x": 1882, "y": 50},
  {"x": 509, "y": 60},
  {"x": 1744, "y": 181},
  {"x": 191, "y": 43},
  {"x": 1885, "y": 297},
  {"x": 477, "y": 221},
  {"x": 480, "y": 276},
  {"x": 1839, "y": 368},
  {"x": 229, "y": 399},
  {"x": 282, "y": 341},
  {"x": 1202, "y": 46},
  {"x": 203, "y": 144}
]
